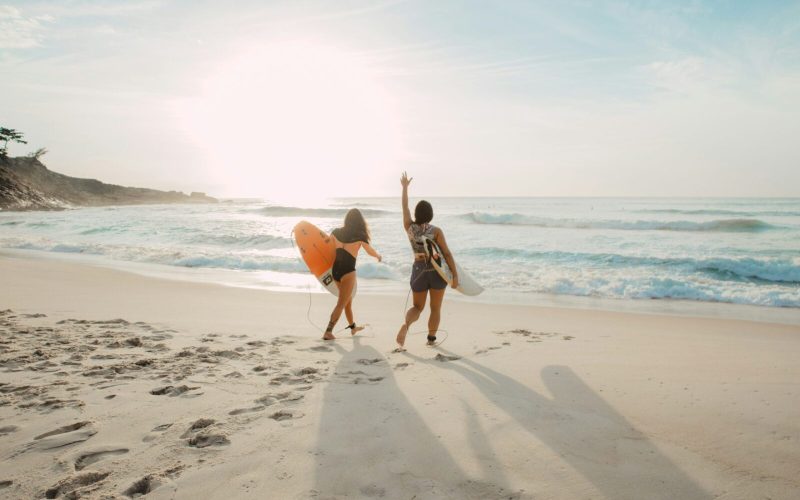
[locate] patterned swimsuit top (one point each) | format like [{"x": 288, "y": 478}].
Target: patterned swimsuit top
[{"x": 416, "y": 234}]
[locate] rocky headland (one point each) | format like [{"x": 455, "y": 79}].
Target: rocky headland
[{"x": 26, "y": 184}]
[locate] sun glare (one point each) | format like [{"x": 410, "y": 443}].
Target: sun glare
[{"x": 294, "y": 120}]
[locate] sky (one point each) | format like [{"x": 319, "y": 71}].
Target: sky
[{"x": 307, "y": 99}]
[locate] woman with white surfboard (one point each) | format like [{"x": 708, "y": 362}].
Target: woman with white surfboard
[
  {"x": 349, "y": 240},
  {"x": 425, "y": 280}
]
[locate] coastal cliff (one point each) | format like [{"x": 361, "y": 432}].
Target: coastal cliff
[{"x": 26, "y": 184}]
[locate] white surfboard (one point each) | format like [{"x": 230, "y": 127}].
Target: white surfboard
[{"x": 466, "y": 284}]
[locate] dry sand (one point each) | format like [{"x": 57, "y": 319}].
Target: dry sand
[{"x": 118, "y": 385}]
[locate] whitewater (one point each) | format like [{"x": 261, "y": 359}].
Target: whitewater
[{"x": 742, "y": 251}]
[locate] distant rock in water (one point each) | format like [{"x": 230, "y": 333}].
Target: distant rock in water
[{"x": 26, "y": 184}]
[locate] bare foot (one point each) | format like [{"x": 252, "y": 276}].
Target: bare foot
[
  {"x": 356, "y": 329},
  {"x": 328, "y": 336},
  {"x": 401, "y": 335}
]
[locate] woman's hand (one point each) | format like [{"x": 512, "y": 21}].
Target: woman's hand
[
  {"x": 455, "y": 281},
  {"x": 405, "y": 180},
  {"x": 379, "y": 257}
]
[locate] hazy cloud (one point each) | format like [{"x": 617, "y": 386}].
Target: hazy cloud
[{"x": 18, "y": 31}]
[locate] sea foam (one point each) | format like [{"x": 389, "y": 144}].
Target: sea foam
[{"x": 721, "y": 225}]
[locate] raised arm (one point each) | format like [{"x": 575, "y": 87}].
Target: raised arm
[
  {"x": 448, "y": 257},
  {"x": 368, "y": 248},
  {"x": 405, "y": 181}
]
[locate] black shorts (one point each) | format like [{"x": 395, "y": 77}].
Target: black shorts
[{"x": 424, "y": 277}]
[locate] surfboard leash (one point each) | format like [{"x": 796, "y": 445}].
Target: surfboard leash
[
  {"x": 405, "y": 310},
  {"x": 367, "y": 326}
]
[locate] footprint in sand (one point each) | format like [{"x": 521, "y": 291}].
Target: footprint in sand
[
  {"x": 69, "y": 487},
  {"x": 285, "y": 397},
  {"x": 90, "y": 457},
  {"x": 281, "y": 397},
  {"x": 285, "y": 415},
  {"x": 287, "y": 378},
  {"x": 63, "y": 436},
  {"x": 142, "y": 487},
  {"x": 197, "y": 425},
  {"x": 266, "y": 400},
  {"x": 279, "y": 341},
  {"x": 319, "y": 348},
  {"x": 158, "y": 337},
  {"x": 8, "y": 429},
  {"x": 365, "y": 361},
  {"x": 201, "y": 435},
  {"x": 206, "y": 440},
  {"x": 253, "y": 409},
  {"x": 441, "y": 357},
  {"x": 355, "y": 377},
  {"x": 173, "y": 391},
  {"x": 50, "y": 404}
]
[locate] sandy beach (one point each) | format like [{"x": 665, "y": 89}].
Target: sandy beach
[{"x": 114, "y": 385}]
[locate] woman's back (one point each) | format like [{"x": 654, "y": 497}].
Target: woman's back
[
  {"x": 417, "y": 233},
  {"x": 350, "y": 242}
]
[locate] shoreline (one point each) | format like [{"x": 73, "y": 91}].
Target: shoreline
[
  {"x": 112, "y": 383},
  {"x": 303, "y": 285}
]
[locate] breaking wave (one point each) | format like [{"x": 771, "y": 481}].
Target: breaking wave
[
  {"x": 785, "y": 271},
  {"x": 739, "y": 213},
  {"x": 721, "y": 225}
]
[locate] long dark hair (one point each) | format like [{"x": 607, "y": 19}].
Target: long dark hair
[{"x": 355, "y": 227}]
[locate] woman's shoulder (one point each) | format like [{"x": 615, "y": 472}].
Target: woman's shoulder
[{"x": 345, "y": 236}]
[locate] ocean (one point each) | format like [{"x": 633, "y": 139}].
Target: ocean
[{"x": 741, "y": 251}]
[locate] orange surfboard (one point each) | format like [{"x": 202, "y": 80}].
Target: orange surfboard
[{"x": 318, "y": 251}]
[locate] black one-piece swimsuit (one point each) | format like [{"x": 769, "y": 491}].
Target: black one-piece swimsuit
[{"x": 344, "y": 263}]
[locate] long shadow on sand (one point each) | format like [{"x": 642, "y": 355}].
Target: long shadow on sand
[
  {"x": 589, "y": 435},
  {"x": 373, "y": 443}
]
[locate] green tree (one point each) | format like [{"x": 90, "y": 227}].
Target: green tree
[{"x": 9, "y": 135}]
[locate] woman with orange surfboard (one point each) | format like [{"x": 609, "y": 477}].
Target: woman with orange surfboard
[
  {"x": 425, "y": 280},
  {"x": 349, "y": 240}
]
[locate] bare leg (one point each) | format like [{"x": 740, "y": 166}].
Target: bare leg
[
  {"x": 345, "y": 295},
  {"x": 348, "y": 313},
  {"x": 437, "y": 296},
  {"x": 412, "y": 315}
]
